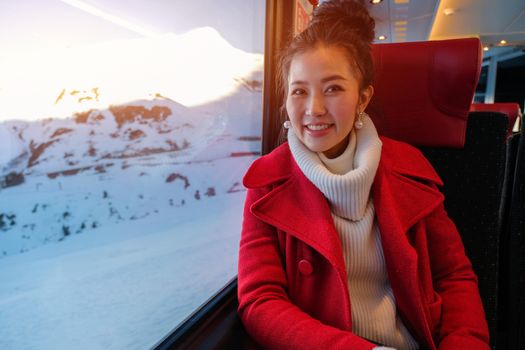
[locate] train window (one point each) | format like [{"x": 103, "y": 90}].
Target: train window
[
  {"x": 481, "y": 88},
  {"x": 511, "y": 73},
  {"x": 125, "y": 130}
]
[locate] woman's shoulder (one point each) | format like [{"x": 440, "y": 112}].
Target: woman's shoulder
[
  {"x": 407, "y": 160},
  {"x": 395, "y": 147},
  {"x": 274, "y": 166}
]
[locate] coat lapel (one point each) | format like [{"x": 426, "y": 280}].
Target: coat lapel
[
  {"x": 400, "y": 202},
  {"x": 297, "y": 207}
]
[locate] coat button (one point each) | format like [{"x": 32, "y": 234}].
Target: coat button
[{"x": 305, "y": 267}]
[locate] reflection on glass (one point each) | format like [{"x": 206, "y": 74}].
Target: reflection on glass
[{"x": 121, "y": 161}]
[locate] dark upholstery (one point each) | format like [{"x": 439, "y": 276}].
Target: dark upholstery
[
  {"x": 473, "y": 178},
  {"x": 513, "y": 249},
  {"x": 512, "y": 110},
  {"x": 504, "y": 305}
]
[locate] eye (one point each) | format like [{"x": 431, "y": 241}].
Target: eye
[
  {"x": 297, "y": 92},
  {"x": 334, "y": 88}
]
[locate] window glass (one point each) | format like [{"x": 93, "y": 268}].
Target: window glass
[
  {"x": 125, "y": 130},
  {"x": 509, "y": 80},
  {"x": 481, "y": 88}
]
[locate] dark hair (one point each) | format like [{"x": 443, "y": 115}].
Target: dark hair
[{"x": 340, "y": 23}]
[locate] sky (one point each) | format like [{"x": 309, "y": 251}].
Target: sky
[
  {"x": 121, "y": 51},
  {"x": 64, "y": 23},
  {"x": 64, "y": 81}
]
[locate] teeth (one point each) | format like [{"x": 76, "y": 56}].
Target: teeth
[{"x": 318, "y": 126}]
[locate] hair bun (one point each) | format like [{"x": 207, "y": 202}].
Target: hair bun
[{"x": 349, "y": 14}]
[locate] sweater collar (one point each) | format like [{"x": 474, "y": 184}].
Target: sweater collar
[
  {"x": 403, "y": 173},
  {"x": 345, "y": 162},
  {"x": 348, "y": 194}
]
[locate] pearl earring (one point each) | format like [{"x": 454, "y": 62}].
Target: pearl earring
[
  {"x": 360, "y": 120},
  {"x": 287, "y": 124}
]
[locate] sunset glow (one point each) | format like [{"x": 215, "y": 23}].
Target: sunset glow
[{"x": 193, "y": 68}]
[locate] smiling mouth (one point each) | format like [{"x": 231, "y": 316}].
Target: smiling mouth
[{"x": 317, "y": 127}]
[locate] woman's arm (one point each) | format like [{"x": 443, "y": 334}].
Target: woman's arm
[
  {"x": 463, "y": 324},
  {"x": 264, "y": 307}
]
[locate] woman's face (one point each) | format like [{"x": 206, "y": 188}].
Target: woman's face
[{"x": 323, "y": 99}]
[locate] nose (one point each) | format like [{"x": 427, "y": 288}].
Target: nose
[{"x": 316, "y": 106}]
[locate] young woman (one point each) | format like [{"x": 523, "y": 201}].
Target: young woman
[{"x": 345, "y": 242}]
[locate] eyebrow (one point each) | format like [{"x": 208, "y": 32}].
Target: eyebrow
[{"x": 324, "y": 80}]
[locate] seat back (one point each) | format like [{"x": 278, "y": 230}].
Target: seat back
[
  {"x": 512, "y": 281},
  {"x": 511, "y": 110},
  {"x": 511, "y": 323},
  {"x": 423, "y": 93},
  {"x": 474, "y": 180},
  {"x": 423, "y": 90}
]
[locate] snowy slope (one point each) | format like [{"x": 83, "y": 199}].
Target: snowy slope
[{"x": 119, "y": 288}]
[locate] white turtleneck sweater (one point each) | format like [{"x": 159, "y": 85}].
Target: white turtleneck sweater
[{"x": 346, "y": 181}]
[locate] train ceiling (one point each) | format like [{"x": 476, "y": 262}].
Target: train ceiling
[{"x": 417, "y": 20}]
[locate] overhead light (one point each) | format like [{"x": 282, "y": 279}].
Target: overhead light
[
  {"x": 486, "y": 48},
  {"x": 503, "y": 42},
  {"x": 381, "y": 37},
  {"x": 375, "y": 2},
  {"x": 449, "y": 11}
]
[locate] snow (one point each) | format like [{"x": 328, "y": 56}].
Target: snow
[
  {"x": 119, "y": 288},
  {"x": 141, "y": 254}
]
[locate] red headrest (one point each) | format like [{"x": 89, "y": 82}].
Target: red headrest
[
  {"x": 423, "y": 90},
  {"x": 512, "y": 110}
]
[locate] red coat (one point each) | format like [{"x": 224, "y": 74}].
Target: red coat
[{"x": 292, "y": 283}]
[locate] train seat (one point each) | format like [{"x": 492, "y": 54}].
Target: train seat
[
  {"x": 511, "y": 308},
  {"x": 512, "y": 268},
  {"x": 423, "y": 93},
  {"x": 512, "y": 110}
]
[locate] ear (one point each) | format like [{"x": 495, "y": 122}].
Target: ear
[{"x": 365, "y": 97}]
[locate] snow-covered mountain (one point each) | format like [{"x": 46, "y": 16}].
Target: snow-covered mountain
[
  {"x": 127, "y": 162},
  {"x": 187, "y": 130},
  {"x": 93, "y": 138}
]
